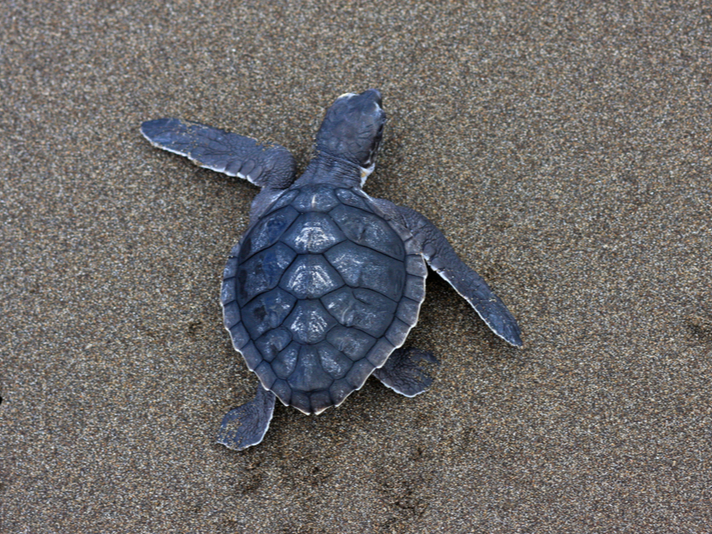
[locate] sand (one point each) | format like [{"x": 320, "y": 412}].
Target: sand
[{"x": 564, "y": 149}]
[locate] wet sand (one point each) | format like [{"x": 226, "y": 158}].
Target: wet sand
[{"x": 563, "y": 149}]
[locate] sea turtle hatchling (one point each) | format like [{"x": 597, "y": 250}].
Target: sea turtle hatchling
[{"x": 326, "y": 283}]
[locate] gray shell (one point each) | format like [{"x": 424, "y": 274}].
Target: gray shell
[{"x": 319, "y": 292}]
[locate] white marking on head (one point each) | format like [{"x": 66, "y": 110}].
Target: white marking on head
[
  {"x": 366, "y": 172},
  {"x": 346, "y": 95}
]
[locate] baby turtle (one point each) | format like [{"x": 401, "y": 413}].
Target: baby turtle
[{"x": 326, "y": 283}]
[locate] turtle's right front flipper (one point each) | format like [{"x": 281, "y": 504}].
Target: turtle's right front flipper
[
  {"x": 444, "y": 260},
  {"x": 235, "y": 155}
]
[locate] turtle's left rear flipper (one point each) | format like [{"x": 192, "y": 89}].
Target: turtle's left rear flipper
[
  {"x": 247, "y": 425},
  {"x": 268, "y": 165}
]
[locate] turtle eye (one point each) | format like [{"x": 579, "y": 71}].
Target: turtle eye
[
  {"x": 374, "y": 151},
  {"x": 377, "y": 138}
]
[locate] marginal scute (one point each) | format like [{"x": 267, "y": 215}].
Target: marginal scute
[
  {"x": 230, "y": 268},
  {"x": 401, "y": 230},
  {"x": 414, "y": 288},
  {"x": 300, "y": 401},
  {"x": 412, "y": 246},
  {"x": 283, "y": 391},
  {"x": 320, "y": 401},
  {"x": 231, "y": 314},
  {"x": 228, "y": 291},
  {"x": 254, "y": 174},
  {"x": 252, "y": 355},
  {"x": 266, "y": 374},
  {"x": 358, "y": 374},
  {"x": 380, "y": 352},
  {"x": 246, "y": 167},
  {"x": 233, "y": 167},
  {"x": 408, "y": 311},
  {"x": 282, "y": 201},
  {"x": 339, "y": 390},
  {"x": 415, "y": 265},
  {"x": 397, "y": 332},
  {"x": 239, "y": 336}
]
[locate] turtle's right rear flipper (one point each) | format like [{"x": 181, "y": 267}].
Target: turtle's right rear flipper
[
  {"x": 403, "y": 374},
  {"x": 269, "y": 165}
]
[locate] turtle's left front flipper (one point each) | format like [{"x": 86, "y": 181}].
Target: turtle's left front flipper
[
  {"x": 444, "y": 260},
  {"x": 268, "y": 165}
]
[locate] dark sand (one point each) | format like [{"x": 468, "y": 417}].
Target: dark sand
[{"x": 564, "y": 150}]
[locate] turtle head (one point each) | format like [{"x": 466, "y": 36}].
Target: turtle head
[{"x": 352, "y": 130}]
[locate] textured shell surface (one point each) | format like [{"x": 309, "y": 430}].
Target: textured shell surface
[{"x": 319, "y": 292}]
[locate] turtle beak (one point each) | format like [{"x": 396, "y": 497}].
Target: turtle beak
[{"x": 375, "y": 95}]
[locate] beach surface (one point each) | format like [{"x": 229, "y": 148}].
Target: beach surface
[{"x": 563, "y": 148}]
